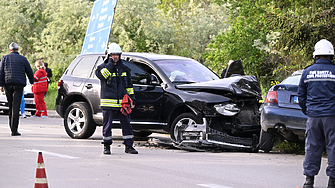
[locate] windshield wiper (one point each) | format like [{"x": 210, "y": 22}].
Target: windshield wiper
[{"x": 183, "y": 82}]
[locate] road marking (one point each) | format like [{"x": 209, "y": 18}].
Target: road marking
[
  {"x": 52, "y": 154},
  {"x": 24, "y": 130},
  {"x": 213, "y": 186}
]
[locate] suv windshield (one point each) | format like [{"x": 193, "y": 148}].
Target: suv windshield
[{"x": 186, "y": 71}]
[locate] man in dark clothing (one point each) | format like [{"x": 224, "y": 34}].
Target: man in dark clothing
[
  {"x": 316, "y": 96},
  {"x": 115, "y": 79},
  {"x": 49, "y": 75},
  {"x": 49, "y": 72},
  {"x": 13, "y": 70}
]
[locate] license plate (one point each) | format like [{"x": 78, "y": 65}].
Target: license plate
[
  {"x": 29, "y": 101},
  {"x": 295, "y": 99}
]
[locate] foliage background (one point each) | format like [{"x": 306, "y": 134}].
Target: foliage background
[{"x": 272, "y": 38}]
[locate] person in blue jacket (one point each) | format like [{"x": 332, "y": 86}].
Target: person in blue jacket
[
  {"x": 115, "y": 81},
  {"x": 316, "y": 95}
]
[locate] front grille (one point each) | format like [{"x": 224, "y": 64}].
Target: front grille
[
  {"x": 30, "y": 106},
  {"x": 29, "y": 95}
]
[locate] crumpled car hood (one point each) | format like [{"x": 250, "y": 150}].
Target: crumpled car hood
[{"x": 237, "y": 85}]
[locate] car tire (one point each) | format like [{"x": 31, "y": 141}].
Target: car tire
[
  {"x": 138, "y": 133},
  {"x": 180, "y": 124},
  {"x": 266, "y": 140},
  {"x": 78, "y": 121},
  {"x": 6, "y": 112}
]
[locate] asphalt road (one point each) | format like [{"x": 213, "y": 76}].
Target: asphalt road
[{"x": 80, "y": 162}]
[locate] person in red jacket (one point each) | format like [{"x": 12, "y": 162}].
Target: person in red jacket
[{"x": 39, "y": 88}]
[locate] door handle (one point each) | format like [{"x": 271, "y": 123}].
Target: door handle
[{"x": 89, "y": 86}]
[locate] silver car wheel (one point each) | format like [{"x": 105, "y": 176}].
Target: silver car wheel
[
  {"x": 180, "y": 127},
  {"x": 76, "y": 120}
]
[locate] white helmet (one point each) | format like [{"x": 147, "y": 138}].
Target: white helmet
[
  {"x": 114, "y": 48},
  {"x": 323, "y": 47}
]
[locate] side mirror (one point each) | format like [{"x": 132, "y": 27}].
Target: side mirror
[{"x": 154, "y": 79}]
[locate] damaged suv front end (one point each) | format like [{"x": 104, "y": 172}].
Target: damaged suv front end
[{"x": 225, "y": 114}]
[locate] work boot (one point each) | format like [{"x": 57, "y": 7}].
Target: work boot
[
  {"x": 107, "y": 149},
  {"x": 16, "y": 134},
  {"x": 130, "y": 150},
  {"x": 331, "y": 182},
  {"x": 309, "y": 182}
]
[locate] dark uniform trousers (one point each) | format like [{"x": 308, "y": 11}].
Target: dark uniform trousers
[
  {"x": 319, "y": 130},
  {"x": 14, "y": 96},
  {"x": 107, "y": 122}
]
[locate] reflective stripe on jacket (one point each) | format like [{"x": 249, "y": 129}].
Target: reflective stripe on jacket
[
  {"x": 115, "y": 82},
  {"x": 40, "y": 82}
]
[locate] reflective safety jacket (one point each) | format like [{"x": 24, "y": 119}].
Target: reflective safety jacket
[
  {"x": 115, "y": 82},
  {"x": 316, "y": 93},
  {"x": 40, "y": 81}
]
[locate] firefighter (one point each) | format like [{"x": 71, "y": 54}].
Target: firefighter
[
  {"x": 317, "y": 100},
  {"x": 115, "y": 79}
]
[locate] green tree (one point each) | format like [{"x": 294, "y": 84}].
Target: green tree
[
  {"x": 22, "y": 22},
  {"x": 51, "y": 30},
  {"x": 142, "y": 26},
  {"x": 300, "y": 25},
  {"x": 63, "y": 36},
  {"x": 245, "y": 26}
]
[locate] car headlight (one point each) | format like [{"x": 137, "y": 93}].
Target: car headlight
[{"x": 227, "y": 109}]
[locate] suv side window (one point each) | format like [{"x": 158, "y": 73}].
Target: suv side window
[
  {"x": 138, "y": 76},
  {"x": 83, "y": 68},
  {"x": 100, "y": 61}
]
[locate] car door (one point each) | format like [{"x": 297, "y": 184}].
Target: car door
[
  {"x": 80, "y": 73},
  {"x": 149, "y": 96},
  {"x": 92, "y": 86}
]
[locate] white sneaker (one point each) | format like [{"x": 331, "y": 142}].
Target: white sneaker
[
  {"x": 44, "y": 116},
  {"x": 23, "y": 115},
  {"x": 35, "y": 116}
]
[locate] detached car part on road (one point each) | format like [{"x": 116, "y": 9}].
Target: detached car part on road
[
  {"x": 281, "y": 115},
  {"x": 174, "y": 95}
]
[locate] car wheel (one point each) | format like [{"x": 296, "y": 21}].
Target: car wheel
[
  {"x": 78, "y": 120},
  {"x": 137, "y": 133},
  {"x": 266, "y": 140},
  {"x": 180, "y": 124},
  {"x": 5, "y": 112}
]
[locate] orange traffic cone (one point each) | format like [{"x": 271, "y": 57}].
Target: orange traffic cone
[{"x": 41, "y": 178}]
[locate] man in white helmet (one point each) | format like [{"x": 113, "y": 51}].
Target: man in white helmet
[
  {"x": 317, "y": 100},
  {"x": 115, "y": 80}
]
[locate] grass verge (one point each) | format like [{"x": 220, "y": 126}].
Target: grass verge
[
  {"x": 51, "y": 96},
  {"x": 284, "y": 146}
]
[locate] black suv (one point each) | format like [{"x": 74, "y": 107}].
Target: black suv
[{"x": 175, "y": 95}]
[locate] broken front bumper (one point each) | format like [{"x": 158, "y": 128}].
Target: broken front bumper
[{"x": 199, "y": 136}]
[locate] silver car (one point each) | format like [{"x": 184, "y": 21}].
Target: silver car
[{"x": 30, "y": 105}]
